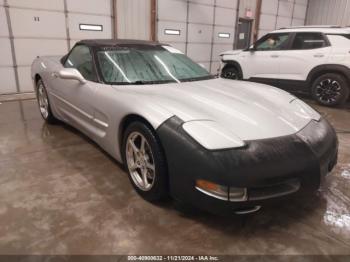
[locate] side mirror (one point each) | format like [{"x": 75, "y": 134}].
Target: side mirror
[
  {"x": 252, "y": 48},
  {"x": 72, "y": 74}
]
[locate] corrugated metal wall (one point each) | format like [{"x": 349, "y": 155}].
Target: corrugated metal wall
[
  {"x": 328, "y": 12},
  {"x": 39, "y": 27},
  {"x": 199, "y": 23},
  {"x": 281, "y": 13}
]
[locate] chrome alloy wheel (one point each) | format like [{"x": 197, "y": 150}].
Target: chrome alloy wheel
[
  {"x": 328, "y": 90},
  {"x": 43, "y": 101},
  {"x": 140, "y": 161}
]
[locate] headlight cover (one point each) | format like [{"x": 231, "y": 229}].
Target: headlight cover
[
  {"x": 304, "y": 110},
  {"x": 211, "y": 135}
]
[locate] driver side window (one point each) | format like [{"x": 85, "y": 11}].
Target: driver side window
[
  {"x": 273, "y": 42},
  {"x": 81, "y": 59}
]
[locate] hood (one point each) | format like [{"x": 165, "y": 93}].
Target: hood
[
  {"x": 232, "y": 52},
  {"x": 55, "y": 59},
  {"x": 249, "y": 110}
]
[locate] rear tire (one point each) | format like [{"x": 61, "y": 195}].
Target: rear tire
[
  {"x": 44, "y": 103},
  {"x": 231, "y": 72},
  {"x": 145, "y": 162},
  {"x": 330, "y": 90}
]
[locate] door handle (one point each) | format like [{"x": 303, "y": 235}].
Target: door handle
[
  {"x": 318, "y": 55},
  {"x": 275, "y": 56}
]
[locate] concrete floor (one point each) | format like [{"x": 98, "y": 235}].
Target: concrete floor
[{"x": 60, "y": 194}]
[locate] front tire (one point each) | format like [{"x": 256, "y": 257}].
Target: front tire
[
  {"x": 145, "y": 162},
  {"x": 231, "y": 72},
  {"x": 330, "y": 90},
  {"x": 44, "y": 103}
]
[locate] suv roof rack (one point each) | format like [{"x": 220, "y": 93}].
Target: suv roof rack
[{"x": 311, "y": 26}]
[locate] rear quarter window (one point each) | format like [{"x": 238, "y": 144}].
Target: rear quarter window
[
  {"x": 309, "y": 40},
  {"x": 347, "y": 36},
  {"x": 339, "y": 40}
]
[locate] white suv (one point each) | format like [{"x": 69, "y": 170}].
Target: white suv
[{"x": 312, "y": 60}]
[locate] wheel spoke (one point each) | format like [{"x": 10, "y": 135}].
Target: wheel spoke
[
  {"x": 133, "y": 146},
  {"x": 133, "y": 167},
  {"x": 144, "y": 178},
  {"x": 130, "y": 150},
  {"x": 150, "y": 166},
  {"x": 143, "y": 142}
]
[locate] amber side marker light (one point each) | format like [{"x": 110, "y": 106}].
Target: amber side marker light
[{"x": 212, "y": 189}]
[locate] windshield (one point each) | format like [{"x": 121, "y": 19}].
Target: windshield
[{"x": 148, "y": 65}]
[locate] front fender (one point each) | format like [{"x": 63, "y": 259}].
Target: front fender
[
  {"x": 118, "y": 106},
  {"x": 234, "y": 63},
  {"x": 328, "y": 68}
]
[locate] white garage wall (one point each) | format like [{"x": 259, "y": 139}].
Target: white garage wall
[
  {"x": 7, "y": 72},
  {"x": 30, "y": 28},
  {"x": 328, "y": 12},
  {"x": 281, "y": 13},
  {"x": 199, "y": 23},
  {"x": 97, "y": 12}
]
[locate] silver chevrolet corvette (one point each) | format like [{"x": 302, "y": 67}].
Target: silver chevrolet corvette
[{"x": 216, "y": 144}]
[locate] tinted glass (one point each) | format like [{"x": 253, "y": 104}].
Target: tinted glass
[
  {"x": 148, "y": 64},
  {"x": 272, "y": 42},
  {"x": 81, "y": 59},
  {"x": 308, "y": 41}
]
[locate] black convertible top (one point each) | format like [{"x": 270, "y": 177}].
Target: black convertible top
[
  {"x": 116, "y": 42},
  {"x": 105, "y": 43}
]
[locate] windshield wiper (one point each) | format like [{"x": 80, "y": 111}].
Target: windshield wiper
[
  {"x": 197, "y": 78},
  {"x": 140, "y": 82}
]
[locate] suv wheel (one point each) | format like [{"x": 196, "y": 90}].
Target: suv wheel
[
  {"x": 145, "y": 162},
  {"x": 330, "y": 90},
  {"x": 231, "y": 73}
]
